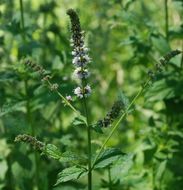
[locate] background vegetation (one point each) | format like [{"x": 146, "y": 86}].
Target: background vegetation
[{"x": 125, "y": 37}]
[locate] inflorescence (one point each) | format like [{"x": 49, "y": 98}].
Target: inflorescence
[
  {"x": 119, "y": 105},
  {"x": 113, "y": 114},
  {"x": 80, "y": 55},
  {"x": 42, "y": 72},
  {"x": 37, "y": 145},
  {"x": 162, "y": 63}
]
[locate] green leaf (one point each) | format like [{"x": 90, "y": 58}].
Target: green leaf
[
  {"x": 71, "y": 173},
  {"x": 79, "y": 120},
  {"x": 122, "y": 166},
  {"x": 161, "y": 90},
  {"x": 108, "y": 157},
  {"x": 7, "y": 76},
  {"x": 12, "y": 107},
  {"x": 160, "y": 171},
  {"x": 4, "y": 168},
  {"x": 67, "y": 140},
  {"x": 160, "y": 43},
  {"x": 71, "y": 157},
  {"x": 149, "y": 154},
  {"x": 52, "y": 151},
  {"x": 122, "y": 97},
  {"x": 97, "y": 128},
  {"x": 23, "y": 160}
]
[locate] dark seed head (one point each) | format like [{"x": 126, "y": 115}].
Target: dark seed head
[{"x": 38, "y": 145}]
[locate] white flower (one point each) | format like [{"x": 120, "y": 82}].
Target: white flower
[
  {"x": 80, "y": 56},
  {"x": 87, "y": 90},
  {"x": 78, "y": 92},
  {"x": 87, "y": 58},
  {"x": 80, "y": 61},
  {"x": 76, "y": 60},
  {"x": 81, "y": 73},
  {"x": 74, "y": 53},
  {"x": 71, "y": 40},
  {"x": 69, "y": 98}
]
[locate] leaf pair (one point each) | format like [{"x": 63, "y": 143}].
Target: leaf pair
[{"x": 107, "y": 157}]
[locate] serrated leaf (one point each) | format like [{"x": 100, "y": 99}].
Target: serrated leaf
[
  {"x": 108, "y": 157},
  {"x": 52, "y": 151},
  {"x": 71, "y": 157},
  {"x": 71, "y": 173}
]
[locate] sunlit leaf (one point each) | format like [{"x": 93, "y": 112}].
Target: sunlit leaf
[
  {"x": 107, "y": 157},
  {"x": 69, "y": 156},
  {"x": 79, "y": 120},
  {"x": 52, "y": 151},
  {"x": 71, "y": 173}
]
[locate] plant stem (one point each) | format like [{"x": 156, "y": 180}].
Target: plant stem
[
  {"x": 22, "y": 19},
  {"x": 10, "y": 184},
  {"x": 88, "y": 136},
  {"x": 89, "y": 145},
  {"x": 166, "y": 19},
  {"x": 181, "y": 63},
  {"x": 86, "y": 114},
  {"x": 28, "y": 108},
  {"x": 119, "y": 121},
  {"x": 31, "y": 126},
  {"x": 64, "y": 99}
]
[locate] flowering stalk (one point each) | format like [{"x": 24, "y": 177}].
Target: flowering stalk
[
  {"x": 151, "y": 76},
  {"x": 52, "y": 86},
  {"x": 80, "y": 56},
  {"x": 37, "y": 145},
  {"x": 80, "y": 62},
  {"x": 113, "y": 114}
]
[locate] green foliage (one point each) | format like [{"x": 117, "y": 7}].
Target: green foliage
[
  {"x": 69, "y": 156},
  {"x": 52, "y": 151},
  {"x": 71, "y": 173},
  {"x": 126, "y": 39},
  {"x": 107, "y": 157}
]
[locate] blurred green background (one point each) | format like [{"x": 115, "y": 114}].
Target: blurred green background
[{"x": 126, "y": 38}]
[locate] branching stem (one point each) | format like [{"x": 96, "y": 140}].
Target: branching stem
[
  {"x": 64, "y": 99},
  {"x": 119, "y": 121}
]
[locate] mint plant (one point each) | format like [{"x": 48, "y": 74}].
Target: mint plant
[{"x": 105, "y": 157}]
